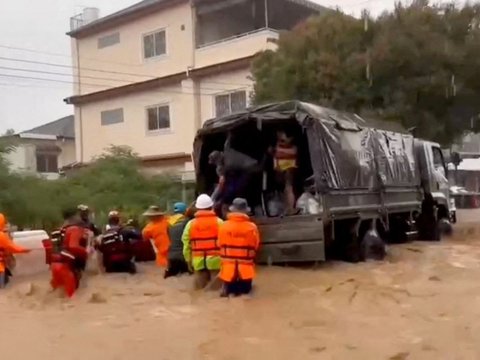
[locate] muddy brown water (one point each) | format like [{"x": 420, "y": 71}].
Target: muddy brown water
[{"x": 422, "y": 303}]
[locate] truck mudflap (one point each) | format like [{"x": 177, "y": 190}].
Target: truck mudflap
[{"x": 291, "y": 239}]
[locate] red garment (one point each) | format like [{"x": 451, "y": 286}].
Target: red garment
[
  {"x": 64, "y": 273},
  {"x": 64, "y": 277}
]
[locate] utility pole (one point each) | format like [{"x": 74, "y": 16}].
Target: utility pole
[{"x": 368, "y": 70}]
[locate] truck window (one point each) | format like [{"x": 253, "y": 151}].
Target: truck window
[{"x": 438, "y": 160}]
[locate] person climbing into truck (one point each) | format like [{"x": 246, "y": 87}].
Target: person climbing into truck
[
  {"x": 238, "y": 240},
  {"x": 117, "y": 246},
  {"x": 285, "y": 165},
  {"x": 69, "y": 253},
  {"x": 7, "y": 250}
]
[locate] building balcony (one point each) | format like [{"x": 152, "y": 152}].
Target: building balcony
[{"x": 236, "y": 47}]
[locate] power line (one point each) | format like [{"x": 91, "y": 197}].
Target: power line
[
  {"x": 58, "y": 74},
  {"x": 124, "y": 81},
  {"x": 33, "y": 51},
  {"x": 69, "y": 66},
  {"x": 31, "y": 86},
  {"x": 108, "y": 87},
  {"x": 91, "y": 69}
]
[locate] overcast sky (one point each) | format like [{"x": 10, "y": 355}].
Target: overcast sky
[{"x": 40, "y": 26}]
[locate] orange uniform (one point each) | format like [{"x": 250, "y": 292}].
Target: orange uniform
[
  {"x": 7, "y": 246},
  {"x": 157, "y": 231},
  {"x": 239, "y": 240}
]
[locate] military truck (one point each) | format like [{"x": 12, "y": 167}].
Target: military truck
[{"x": 368, "y": 175}]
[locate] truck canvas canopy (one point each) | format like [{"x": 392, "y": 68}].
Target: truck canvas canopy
[{"x": 345, "y": 150}]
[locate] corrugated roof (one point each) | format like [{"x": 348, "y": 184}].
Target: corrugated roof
[{"x": 63, "y": 128}]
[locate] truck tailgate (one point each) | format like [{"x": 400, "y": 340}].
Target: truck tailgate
[{"x": 291, "y": 239}]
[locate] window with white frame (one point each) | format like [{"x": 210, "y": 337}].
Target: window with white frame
[
  {"x": 158, "y": 118},
  {"x": 226, "y": 104},
  {"x": 154, "y": 44}
]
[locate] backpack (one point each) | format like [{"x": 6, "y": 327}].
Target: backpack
[{"x": 114, "y": 246}]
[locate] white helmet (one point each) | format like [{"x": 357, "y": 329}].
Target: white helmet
[
  {"x": 204, "y": 202},
  {"x": 113, "y": 213}
]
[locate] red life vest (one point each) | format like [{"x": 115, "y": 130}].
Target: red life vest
[{"x": 60, "y": 252}]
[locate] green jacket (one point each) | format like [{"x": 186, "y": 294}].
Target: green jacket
[{"x": 198, "y": 263}]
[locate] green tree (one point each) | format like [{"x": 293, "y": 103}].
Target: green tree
[
  {"x": 418, "y": 64},
  {"x": 113, "y": 181}
]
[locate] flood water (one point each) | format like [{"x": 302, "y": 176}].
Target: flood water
[{"x": 422, "y": 303}]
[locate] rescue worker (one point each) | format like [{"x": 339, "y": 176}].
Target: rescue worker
[
  {"x": 285, "y": 164},
  {"x": 177, "y": 223},
  {"x": 156, "y": 231},
  {"x": 7, "y": 250},
  {"x": 116, "y": 246},
  {"x": 238, "y": 240},
  {"x": 84, "y": 211},
  {"x": 200, "y": 247},
  {"x": 69, "y": 253}
]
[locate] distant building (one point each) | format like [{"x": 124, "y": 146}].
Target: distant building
[
  {"x": 44, "y": 150},
  {"x": 150, "y": 75}
]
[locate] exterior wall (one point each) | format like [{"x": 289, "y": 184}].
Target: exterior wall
[
  {"x": 68, "y": 154},
  {"x": 17, "y": 159},
  {"x": 24, "y": 160},
  {"x": 183, "y": 112},
  {"x": 191, "y": 102},
  {"x": 236, "y": 48},
  {"x": 221, "y": 84},
  {"x": 127, "y": 56},
  {"x": 133, "y": 130}
]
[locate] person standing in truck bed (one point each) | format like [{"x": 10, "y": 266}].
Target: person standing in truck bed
[{"x": 285, "y": 164}]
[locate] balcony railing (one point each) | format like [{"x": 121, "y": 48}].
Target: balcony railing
[{"x": 273, "y": 32}]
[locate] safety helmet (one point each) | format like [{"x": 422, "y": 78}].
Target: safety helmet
[
  {"x": 83, "y": 208},
  {"x": 204, "y": 202},
  {"x": 179, "y": 208},
  {"x": 113, "y": 214}
]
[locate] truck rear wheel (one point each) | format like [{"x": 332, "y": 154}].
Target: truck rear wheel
[{"x": 365, "y": 244}]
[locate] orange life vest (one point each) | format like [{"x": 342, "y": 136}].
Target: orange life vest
[
  {"x": 204, "y": 234},
  {"x": 239, "y": 241},
  {"x": 3, "y": 257},
  {"x": 238, "y": 249}
]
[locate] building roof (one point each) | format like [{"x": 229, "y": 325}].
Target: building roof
[
  {"x": 146, "y": 7},
  {"x": 121, "y": 16},
  {"x": 61, "y": 128},
  {"x": 110, "y": 93}
]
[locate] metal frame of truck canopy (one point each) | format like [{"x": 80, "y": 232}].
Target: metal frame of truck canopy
[{"x": 363, "y": 169}]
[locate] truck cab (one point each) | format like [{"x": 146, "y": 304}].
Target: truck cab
[{"x": 434, "y": 177}]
